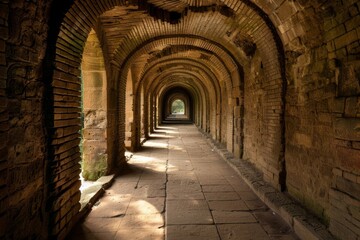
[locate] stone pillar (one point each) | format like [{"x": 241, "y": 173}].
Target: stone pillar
[{"x": 94, "y": 145}]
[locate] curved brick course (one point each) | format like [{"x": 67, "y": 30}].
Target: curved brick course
[{"x": 275, "y": 83}]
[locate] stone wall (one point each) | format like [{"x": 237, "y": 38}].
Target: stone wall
[
  {"x": 322, "y": 111},
  {"x": 23, "y": 32},
  {"x": 317, "y": 142}
]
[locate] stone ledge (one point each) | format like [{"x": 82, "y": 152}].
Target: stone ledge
[
  {"x": 305, "y": 225},
  {"x": 89, "y": 196},
  {"x": 90, "y": 193}
]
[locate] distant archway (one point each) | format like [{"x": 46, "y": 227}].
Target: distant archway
[{"x": 178, "y": 107}]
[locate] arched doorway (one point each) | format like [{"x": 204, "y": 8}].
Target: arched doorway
[
  {"x": 178, "y": 107},
  {"x": 94, "y": 110}
]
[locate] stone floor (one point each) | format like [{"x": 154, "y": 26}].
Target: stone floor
[{"x": 178, "y": 188}]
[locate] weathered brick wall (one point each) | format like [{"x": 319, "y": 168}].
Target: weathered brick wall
[
  {"x": 321, "y": 41},
  {"x": 322, "y": 111},
  {"x": 342, "y": 34},
  {"x": 23, "y": 33},
  {"x": 254, "y": 125},
  {"x": 4, "y": 121}
]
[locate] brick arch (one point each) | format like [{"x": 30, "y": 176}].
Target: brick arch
[
  {"x": 268, "y": 44},
  {"x": 156, "y": 87},
  {"x": 195, "y": 95},
  {"x": 218, "y": 70},
  {"x": 274, "y": 89},
  {"x": 209, "y": 80},
  {"x": 202, "y": 81},
  {"x": 64, "y": 55},
  {"x": 226, "y": 62},
  {"x": 151, "y": 87},
  {"x": 194, "y": 86},
  {"x": 169, "y": 61},
  {"x": 199, "y": 86},
  {"x": 68, "y": 45},
  {"x": 226, "y": 65},
  {"x": 167, "y": 109},
  {"x": 210, "y": 72}
]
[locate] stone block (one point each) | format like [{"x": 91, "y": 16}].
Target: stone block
[
  {"x": 352, "y": 107},
  {"x": 222, "y": 196},
  {"x": 351, "y": 177},
  {"x": 335, "y": 32},
  {"x": 232, "y": 205},
  {"x": 348, "y": 84},
  {"x": 337, "y": 105},
  {"x": 237, "y": 111},
  {"x": 303, "y": 140},
  {"x": 221, "y": 217},
  {"x": 188, "y": 212},
  {"x": 346, "y": 220},
  {"x": 337, "y": 172},
  {"x": 191, "y": 232},
  {"x": 304, "y": 230},
  {"x": 351, "y": 188},
  {"x": 340, "y": 231},
  {"x": 94, "y": 79},
  {"x": 131, "y": 233},
  {"x": 346, "y": 39},
  {"x": 246, "y": 231},
  {"x": 94, "y": 134},
  {"x": 347, "y": 129},
  {"x": 66, "y": 146},
  {"x": 352, "y": 23},
  {"x": 356, "y": 145},
  {"x": 349, "y": 158},
  {"x": 286, "y": 10},
  {"x": 325, "y": 118}
]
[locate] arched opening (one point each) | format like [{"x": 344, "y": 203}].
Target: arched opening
[
  {"x": 220, "y": 55},
  {"x": 178, "y": 107},
  {"x": 94, "y": 111},
  {"x": 129, "y": 113}
]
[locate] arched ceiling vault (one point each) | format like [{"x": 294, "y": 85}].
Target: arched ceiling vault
[
  {"x": 180, "y": 78},
  {"x": 132, "y": 32},
  {"x": 123, "y": 26},
  {"x": 183, "y": 75},
  {"x": 131, "y": 36},
  {"x": 194, "y": 66},
  {"x": 221, "y": 61},
  {"x": 214, "y": 62},
  {"x": 196, "y": 92}
]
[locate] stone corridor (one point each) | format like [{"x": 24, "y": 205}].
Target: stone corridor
[
  {"x": 178, "y": 188},
  {"x": 267, "y": 91}
]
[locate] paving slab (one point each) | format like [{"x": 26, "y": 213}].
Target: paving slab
[
  {"x": 140, "y": 234},
  {"x": 217, "y": 188},
  {"x": 110, "y": 206},
  {"x": 252, "y": 231},
  {"x": 187, "y": 212},
  {"x": 142, "y": 221},
  {"x": 232, "y": 205},
  {"x": 178, "y": 188},
  {"x": 233, "y": 217},
  {"x": 221, "y": 196},
  {"x": 272, "y": 223},
  {"x": 192, "y": 232},
  {"x": 187, "y": 195},
  {"x": 256, "y": 204},
  {"x": 146, "y": 206}
]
